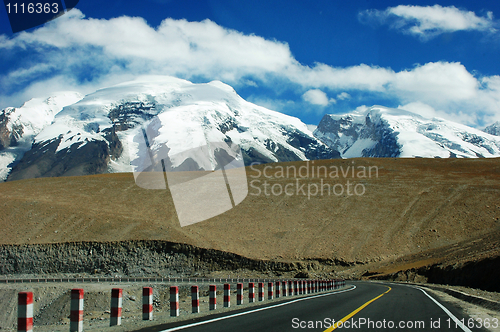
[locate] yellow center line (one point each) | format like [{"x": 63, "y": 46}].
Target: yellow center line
[{"x": 343, "y": 320}]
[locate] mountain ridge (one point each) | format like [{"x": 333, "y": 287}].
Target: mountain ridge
[
  {"x": 91, "y": 135},
  {"x": 380, "y": 131},
  {"x": 71, "y": 134}
]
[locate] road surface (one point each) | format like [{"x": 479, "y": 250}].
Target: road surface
[{"x": 362, "y": 306}]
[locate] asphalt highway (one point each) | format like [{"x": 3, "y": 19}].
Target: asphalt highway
[{"x": 361, "y": 306}]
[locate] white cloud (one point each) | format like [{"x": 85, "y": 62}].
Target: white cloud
[
  {"x": 429, "y": 112},
  {"x": 420, "y": 108},
  {"x": 279, "y": 105},
  {"x": 114, "y": 50},
  {"x": 429, "y": 21},
  {"x": 435, "y": 82},
  {"x": 343, "y": 96},
  {"x": 317, "y": 97}
]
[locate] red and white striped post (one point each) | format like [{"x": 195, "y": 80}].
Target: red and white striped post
[
  {"x": 212, "y": 297},
  {"x": 261, "y": 291},
  {"x": 25, "y": 312},
  {"x": 76, "y": 316},
  {"x": 270, "y": 290},
  {"x": 174, "y": 301},
  {"x": 195, "y": 299},
  {"x": 147, "y": 303},
  {"x": 295, "y": 287},
  {"x": 251, "y": 292},
  {"x": 227, "y": 295},
  {"x": 283, "y": 283},
  {"x": 290, "y": 288},
  {"x": 239, "y": 293},
  {"x": 116, "y": 307},
  {"x": 278, "y": 289}
]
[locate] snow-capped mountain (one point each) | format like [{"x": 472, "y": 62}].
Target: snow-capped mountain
[
  {"x": 19, "y": 126},
  {"x": 386, "y": 132},
  {"x": 493, "y": 129},
  {"x": 92, "y": 135}
]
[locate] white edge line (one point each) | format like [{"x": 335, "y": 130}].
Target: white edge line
[
  {"x": 455, "y": 319},
  {"x": 255, "y": 310}
]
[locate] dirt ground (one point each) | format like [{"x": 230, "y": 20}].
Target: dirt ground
[{"x": 408, "y": 206}]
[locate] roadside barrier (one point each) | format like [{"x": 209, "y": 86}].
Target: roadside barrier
[
  {"x": 76, "y": 315},
  {"x": 212, "y": 297},
  {"x": 283, "y": 289},
  {"x": 147, "y": 303},
  {"x": 174, "y": 301},
  {"x": 239, "y": 294},
  {"x": 116, "y": 307},
  {"x": 195, "y": 299},
  {"x": 261, "y": 291},
  {"x": 227, "y": 295},
  {"x": 251, "y": 292},
  {"x": 25, "y": 312}
]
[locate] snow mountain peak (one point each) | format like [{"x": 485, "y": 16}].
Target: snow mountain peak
[
  {"x": 388, "y": 132},
  {"x": 92, "y": 134}
]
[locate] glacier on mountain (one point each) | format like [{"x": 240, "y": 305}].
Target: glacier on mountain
[
  {"x": 91, "y": 135},
  {"x": 387, "y": 132},
  {"x": 19, "y": 126}
]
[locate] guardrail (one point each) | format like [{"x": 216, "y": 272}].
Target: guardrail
[
  {"x": 129, "y": 279},
  {"x": 295, "y": 288}
]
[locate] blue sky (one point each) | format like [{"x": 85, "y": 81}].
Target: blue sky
[{"x": 303, "y": 58}]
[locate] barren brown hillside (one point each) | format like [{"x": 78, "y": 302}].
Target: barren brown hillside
[{"x": 410, "y": 206}]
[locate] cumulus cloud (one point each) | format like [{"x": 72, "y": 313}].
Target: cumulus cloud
[
  {"x": 317, "y": 97},
  {"x": 82, "y": 54},
  {"x": 429, "y": 21},
  {"x": 343, "y": 96}
]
